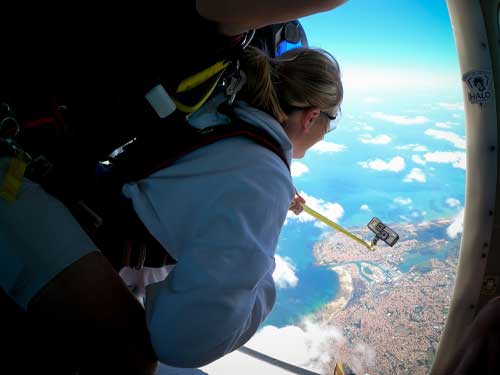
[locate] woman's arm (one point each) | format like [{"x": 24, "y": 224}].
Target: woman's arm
[
  {"x": 221, "y": 289},
  {"x": 237, "y": 16}
]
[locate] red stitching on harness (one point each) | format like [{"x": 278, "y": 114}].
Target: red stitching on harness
[
  {"x": 41, "y": 121},
  {"x": 260, "y": 140}
]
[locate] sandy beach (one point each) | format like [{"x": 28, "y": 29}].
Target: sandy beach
[{"x": 344, "y": 273}]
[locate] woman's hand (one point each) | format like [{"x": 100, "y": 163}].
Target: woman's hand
[{"x": 296, "y": 205}]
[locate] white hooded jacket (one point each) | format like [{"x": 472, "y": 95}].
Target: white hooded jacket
[{"x": 219, "y": 211}]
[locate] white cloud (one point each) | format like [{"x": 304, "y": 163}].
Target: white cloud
[
  {"x": 413, "y": 147},
  {"x": 332, "y": 211},
  {"x": 415, "y": 174},
  {"x": 420, "y": 148},
  {"x": 364, "y": 207},
  {"x": 359, "y": 78},
  {"x": 372, "y": 100},
  {"x": 458, "y": 141},
  {"x": 232, "y": 363},
  {"x": 451, "y": 106},
  {"x": 405, "y": 218},
  {"x": 284, "y": 275},
  {"x": 324, "y": 146},
  {"x": 400, "y": 120},
  {"x": 418, "y": 160},
  {"x": 452, "y": 202},
  {"x": 382, "y": 139},
  {"x": 310, "y": 346},
  {"x": 457, "y": 225},
  {"x": 364, "y": 356},
  {"x": 457, "y": 159},
  {"x": 446, "y": 125},
  {"x": 361, "y": 125},
  {"x": 396, "y": 164},
  {"x": 402, "y": 201},
  {"x": 298, "y": 169}
]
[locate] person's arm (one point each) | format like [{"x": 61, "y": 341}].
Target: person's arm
[
  {"x": 222, "y": 288},
  {"x": 205, "y": 310},
  {"x": 237, "y": 16}
]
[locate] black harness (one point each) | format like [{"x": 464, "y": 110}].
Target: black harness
[
  {"x": 91, "y": 187},
  {"x": 71, "y": 119}
]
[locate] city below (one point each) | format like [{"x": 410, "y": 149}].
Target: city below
[{"x": 392, "y": 303}]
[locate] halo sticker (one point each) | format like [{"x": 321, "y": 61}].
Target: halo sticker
[
  {"x": 478, "y": 82},
  {"x": 490, "y": 285}
]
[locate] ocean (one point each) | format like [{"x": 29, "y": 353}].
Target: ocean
[{"x": 401, "y": 160}]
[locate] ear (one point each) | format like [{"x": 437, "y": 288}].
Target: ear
[{"x": 309, "y": 116}]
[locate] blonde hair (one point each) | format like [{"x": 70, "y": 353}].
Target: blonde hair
[{"x": 301, "y": 77}]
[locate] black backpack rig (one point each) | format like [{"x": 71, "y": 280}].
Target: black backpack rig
[{"x": 83, "y": 151}]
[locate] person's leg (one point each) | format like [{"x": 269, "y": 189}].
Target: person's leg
[
  {"x": 479, "y": 350},
  {"x": 79, "y": 311},
  {"x": 91, "y": 318}
]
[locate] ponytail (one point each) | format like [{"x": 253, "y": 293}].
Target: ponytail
[
  {"x": 260, "y": 91},
  {"x": 299, "y": 78}
]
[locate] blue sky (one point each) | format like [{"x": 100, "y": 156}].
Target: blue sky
[{"x": 389, "y": 42}]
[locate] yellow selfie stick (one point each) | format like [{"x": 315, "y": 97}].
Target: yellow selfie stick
[{"x": 330, "y": 223}]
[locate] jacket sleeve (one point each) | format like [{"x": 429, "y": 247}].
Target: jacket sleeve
[{"x": 222, "y": 288}]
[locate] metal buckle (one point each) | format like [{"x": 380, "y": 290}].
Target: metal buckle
[
  {"x": 248, "y": 38},
  {"x": 9, "y": 127},
  {"x": 237, "y": 81}
]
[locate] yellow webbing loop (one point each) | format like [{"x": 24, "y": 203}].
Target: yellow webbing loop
[
  {"x": 330, "y": 223},
  {"x": 200, "y": 77},
  {"x": 196, "y": 80},
  {"x": 190, "y": 109}
]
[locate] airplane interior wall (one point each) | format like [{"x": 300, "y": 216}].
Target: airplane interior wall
[{"x": 476, "y": 31}]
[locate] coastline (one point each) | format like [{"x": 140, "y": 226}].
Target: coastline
[
  {"x": 346, "y": 288},
  {"x": 348, "y": 271},
  {"x": 395, "y": 313}
]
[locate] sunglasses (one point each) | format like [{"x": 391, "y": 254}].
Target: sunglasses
[{"x": 333, "y": 120}]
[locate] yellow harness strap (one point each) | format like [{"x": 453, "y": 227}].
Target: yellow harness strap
[
  {"x": 196, "y": 80},
  {"x": 190, "y": 109},
  {"x": 330, "y": 223},
  {"x": 13, "y": 178},
  {"x": 202, "y": 76}
]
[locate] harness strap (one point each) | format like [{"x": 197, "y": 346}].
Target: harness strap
[
  {"x": 106, "y": 215},
  {"x": 144, "y": 157},
  {"x": 220, "y": 132},
  {"x": 157, "y": 150}
]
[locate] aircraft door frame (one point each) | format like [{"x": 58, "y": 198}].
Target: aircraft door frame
[{"x": 476, "y": 30}]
